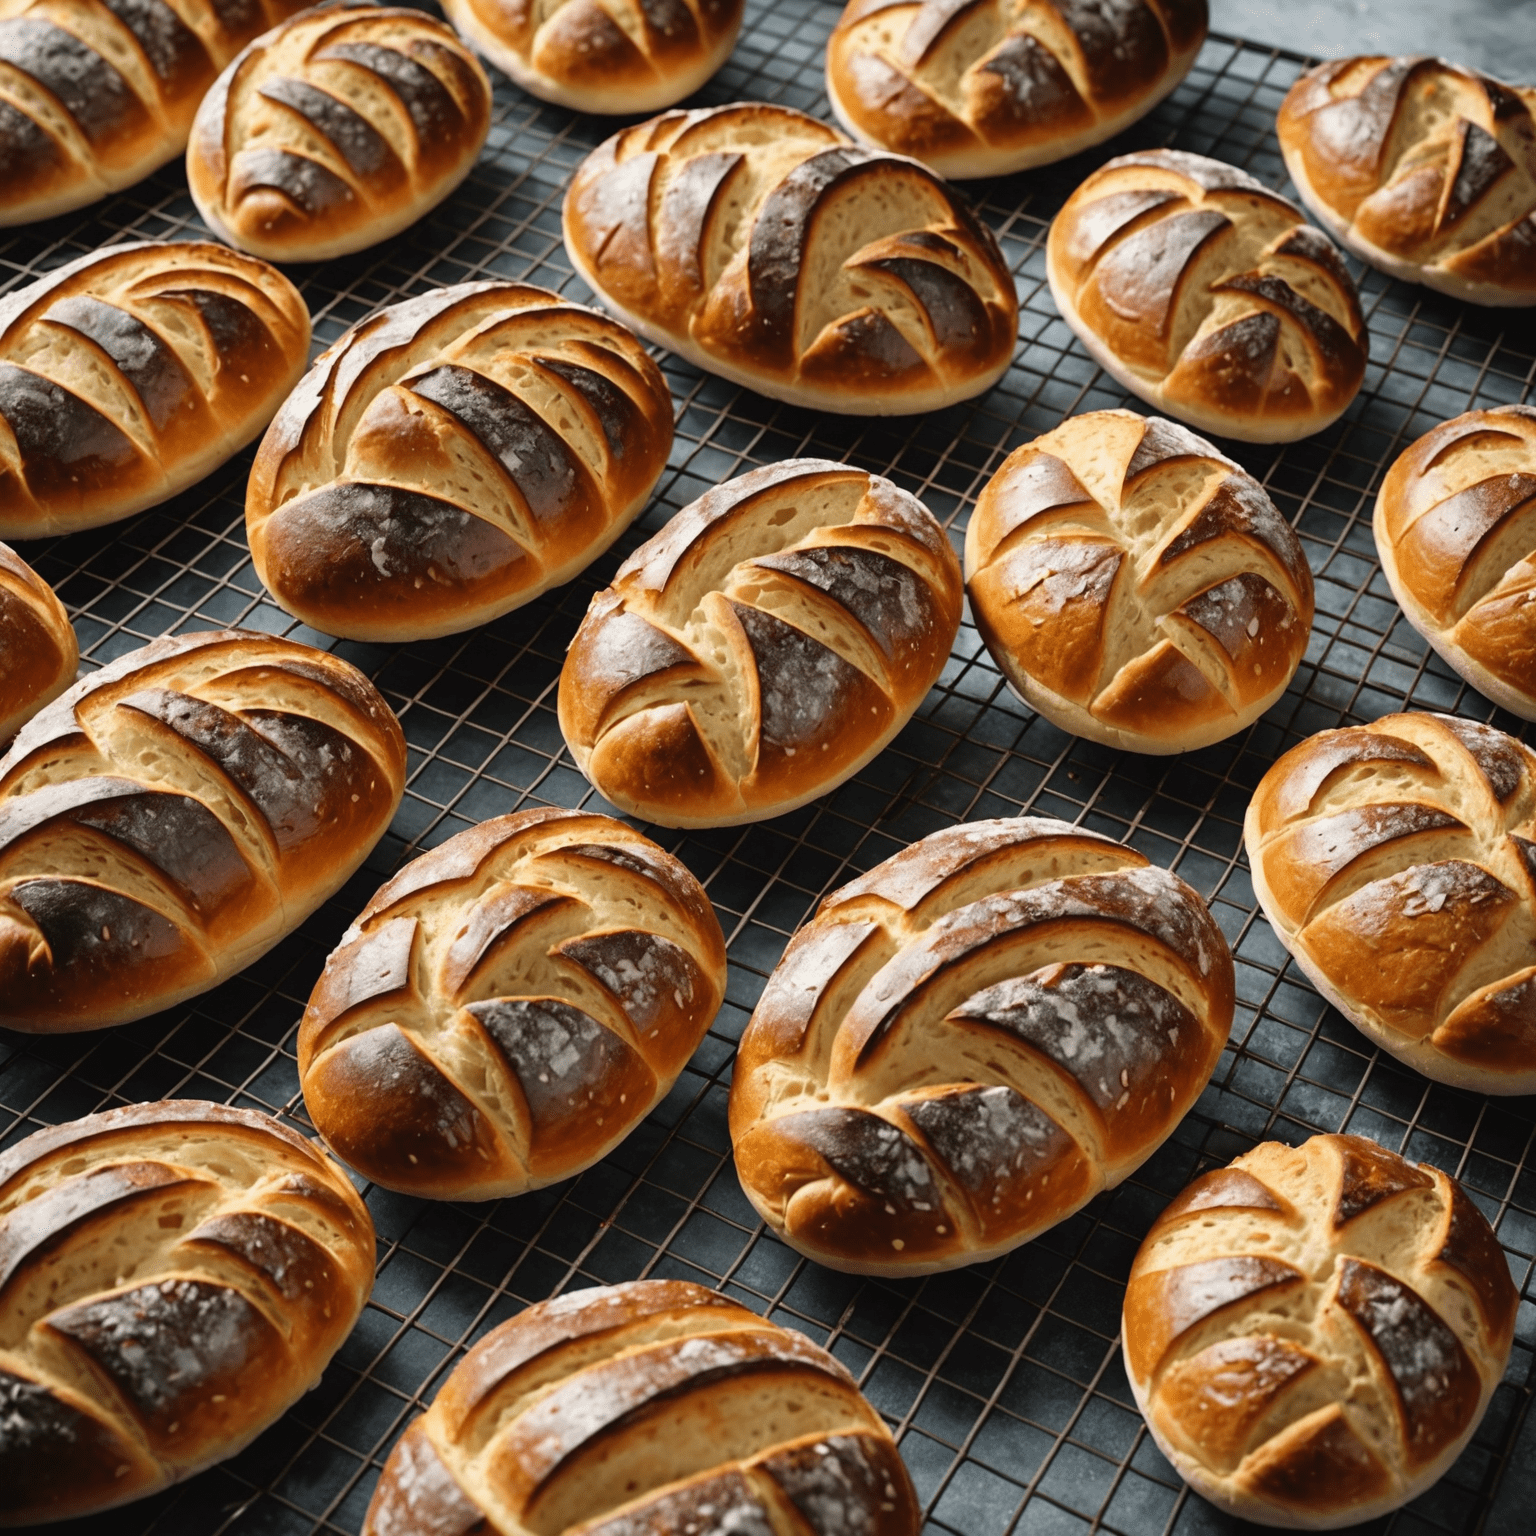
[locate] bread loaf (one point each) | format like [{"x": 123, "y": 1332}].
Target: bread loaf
[
  {"x": 1207, "y": 295},
  {"x": 1395, "y": 861},
  {"x": 174, "y": 815},
  {"x": 986, "y": 87},
  {"x": 1313, "y": 1333},
  {"x": 1422, "y": 168},
  {"x": 762, "y": 246},
  {"x": 38, "y": 654},
  {"x": 173, "y": 1277},
  {"x": 655, "y": 1408},
  {"x": 128, "y": 375},
  {"x": 627, "y": 56},
  {"x": 968, "y": 1043},
  {"x": 1456, "y": 531},
  {"x": 762, "y": 647},
  {"x": 510, "y": 1006},
  {"x": 336, "y": 130},
  {"x": 452, "y": 457},
  {"x": 1135, "y": 585},
  {"x": 96, "y": 94}
]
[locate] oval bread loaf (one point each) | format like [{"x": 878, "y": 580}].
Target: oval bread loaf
[
  {"x": 336, "y": 130},
  {"x": 1135, "y": 585},
  {"x": 655, "y": 1408},
  {"x": 1455, "y": 529},
  {"x": 1396, "y": 862},
  {"x": 128, "y": 375},
  {"x": 510, "y": 1006},
  {"x": 38, "y": 653},
  {"x": 763, "y": 246},
  {"x": 452, "y": 457},
  {"x": 762, "y": 647},
  {"x": 175, "y": 814},
  {"x": 987, "y": 87},
  {"x": 173, "y": 1277},
  {"x": 1314, "y": 1333},
  {"x": 968, "y": 1043},
  {"x": 1422, "y": 168},
  {"x": 1209, "y": 296}
]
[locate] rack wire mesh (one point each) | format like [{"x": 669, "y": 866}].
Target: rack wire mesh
[{"x": 1003, "y": 1382}]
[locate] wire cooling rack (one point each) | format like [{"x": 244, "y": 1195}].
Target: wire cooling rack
[{"x": 1004, "y": 1381}]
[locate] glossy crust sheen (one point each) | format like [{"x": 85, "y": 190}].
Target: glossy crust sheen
[
  {"x": 128, "y": 375},
  {"x": 655, "y": 1408},
  {"x": 174, "y": 815},
  {"x": 173, "y": 1277},
  {"x": 626, "y": 56},
  {"x": 38, "y": 654},
  {"x": 1135, "y": 585},
  {"x": 1456, "y": 531},
  {"x": 452, "y": 457},
  {"x": 336, "y": 130},
  {"x": 986, "y": 87},
  {"x": 1396, "y": 862},
  {"x": 762, "y": 647},
  {"x": 764, "y": 246},
  {"x": 1314, "y": 1333},
  {"x": 96, "y": 94},
  {"x": 1209, "y": 296},
  {"x": 1422, "y": 168},
  {"x": 968, "y": 1043},
  {"x": 510, "y": 1006}
]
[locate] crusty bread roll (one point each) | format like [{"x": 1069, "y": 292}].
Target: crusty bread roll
[
  {"x": 655, "y": 1408},
  {"x": 762, "y": 647},
  {"x": 1422, "y": 168},
  {"x": 1135, "y": 585},
  {"x": 174, "y": 815},
  {"x": 336, "y": 130},
  {"x": 1313, "y": 1333},
  {"x": 510, "y": 1006},
  {"x": 1207, "y": 295},
  {"x": 173, "y": 1277},
  {"x": 38, "y": 653},
  {"x": 969, "y": 1042},
  {"x": 985, "y": 87},
  {"x": 1456, "y": 531},
  {"x": 452, "y": 457},
  {"x": 128, "y": 375},
  {"x": 763, "y": 246},
  {"x": 96, "y": 94},
  {"x": 1395, "y": 861},
  {"x": 626, "y": 56}
]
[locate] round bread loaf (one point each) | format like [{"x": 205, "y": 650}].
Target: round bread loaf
[
  {"x": 452, "y": 457},
  {"x": 174, "y": 815},
  {"x": 96, "y": 94},
  {"x": 38, "y": 654},
  {"x": 510, "y": 1006},
  {"x": 1456, "y": 531},
  {"x": 336, "y": 130},
  {"x": 1207, "y": 295},
  {"x": 626, "y": 56},
  {"x": 763, "y": 246},
  {"x": 967, "y": 1044},
  {"x": 130, "y": 374},
  {"x": 1313, "y": 1333},
  {"x": 173, "y": 1277},
  {"x": 1135, "y": 585},
  {"x": 986, "y": 87},
  {"x": 1422, "y": 168},
  {"x": 1396, "y": 862},
  {"x": 655, "y": 1408},
  {"x": 762, "y": 647}
]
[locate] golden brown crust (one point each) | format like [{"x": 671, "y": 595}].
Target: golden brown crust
[
  {"x": 173, "y": 1277},
  {"x": 38, "y": 653}
]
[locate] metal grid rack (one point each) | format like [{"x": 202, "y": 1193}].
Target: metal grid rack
[{"x": 1003, "y": 1382}]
